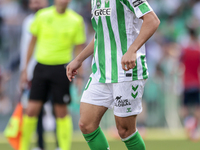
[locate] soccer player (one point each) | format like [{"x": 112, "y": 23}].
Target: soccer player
[
  {"x": 55, "y": 31},
  {"x": 119, "y": 69}
]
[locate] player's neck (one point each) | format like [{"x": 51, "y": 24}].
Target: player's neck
[{"x": 60, "y": 10}]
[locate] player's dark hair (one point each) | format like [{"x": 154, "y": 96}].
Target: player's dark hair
[{"x": 192, "y": 32}]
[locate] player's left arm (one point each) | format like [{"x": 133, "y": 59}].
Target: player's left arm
[
  {"x": 79, "y": 42},
  {"x": 149, "y": 26},
  {"x": 77, "y": 51}
]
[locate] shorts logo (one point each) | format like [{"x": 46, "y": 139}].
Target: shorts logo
[
  {"x": 138, "y": 2},
  {"x": 129, "y": 110},
  {"x": 66, "y": 98},
  {"x": 134, "y": 89},
  {"x": 121, "y": 102}
]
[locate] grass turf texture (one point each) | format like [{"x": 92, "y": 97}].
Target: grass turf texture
[
  {"x": 117, "y": 145},
  {"x": 158, "y": 139}
]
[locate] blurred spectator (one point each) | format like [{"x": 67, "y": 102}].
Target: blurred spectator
[
  {"x": 154, "y": 99},
  {"x": 5, "y": 105},
  {"x": 196, "y": 10},
  {"x": 190, "y": 61},
  {"x": 12, "y": 16}
]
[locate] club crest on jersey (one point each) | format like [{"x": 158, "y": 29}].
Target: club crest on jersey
[
  {"x": 138, "y": 2},
  {"x": 101, "y": 11},
  {"x": 98, "y": 4}
]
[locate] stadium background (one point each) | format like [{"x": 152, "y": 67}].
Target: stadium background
[{"x": 160, "y": 123}]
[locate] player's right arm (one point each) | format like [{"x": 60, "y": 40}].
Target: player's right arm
[
  {"x": 23, "y": 79},
  {"x": 73, "y": 66}
]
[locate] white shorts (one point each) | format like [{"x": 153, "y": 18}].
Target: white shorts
[{"x": 124, "y": 97}]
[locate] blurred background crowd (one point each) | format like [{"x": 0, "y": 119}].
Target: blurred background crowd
[{"x": 163, "y": 101}]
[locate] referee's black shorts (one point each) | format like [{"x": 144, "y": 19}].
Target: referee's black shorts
[{"x": 49, "y": 79}]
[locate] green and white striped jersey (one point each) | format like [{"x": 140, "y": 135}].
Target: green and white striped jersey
[{"x": 117, "y": 25}]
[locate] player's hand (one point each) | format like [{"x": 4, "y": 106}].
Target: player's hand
[
  {"x": 128, "y": 60},
  {"x": 71, "y": 69},
  {"x": 23, "y": 80}
]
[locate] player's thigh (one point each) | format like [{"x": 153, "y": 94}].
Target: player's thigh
[
  {"x": 96, "y": 99},
  {"x": 90, "y": 117}
]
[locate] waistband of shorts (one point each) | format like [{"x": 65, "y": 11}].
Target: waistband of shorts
[{"x": 59, "y": 65}]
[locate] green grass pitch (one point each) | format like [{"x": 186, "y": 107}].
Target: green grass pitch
[
  {"x": 158, "y": 139},
  {"x": 117, "y": 145}
]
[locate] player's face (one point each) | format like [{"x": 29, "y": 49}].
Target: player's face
[
  {"x": 35, "y": 5},
  {"x": 62, "y": 3}
]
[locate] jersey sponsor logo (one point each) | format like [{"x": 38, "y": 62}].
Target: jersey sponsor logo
[
  {"x": 119, "y": 102},
  {"x": 102, "y": 12},
  {"x": 138, "y": 2}
]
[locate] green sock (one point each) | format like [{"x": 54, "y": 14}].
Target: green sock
[
  {"x": 134, "y": 142},
  {"x": 97, "y": 140},
  {"x": 28, "y": 127},
  {"x": 64, "y": 131}
]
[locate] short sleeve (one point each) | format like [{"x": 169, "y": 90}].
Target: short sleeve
[
  {"x": 35, "y": 26},
  {"x": 141, "y": 7},
  {"x": 80, "y": 36}
]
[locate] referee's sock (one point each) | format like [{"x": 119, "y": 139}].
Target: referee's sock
[
  {"x": 64, "y": 129},
  {"x": 28, "y": 127},
  {"x": 97, "y": 140},
  {"x": 134, "y": 142}
]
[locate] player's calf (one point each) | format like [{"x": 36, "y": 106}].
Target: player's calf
[{"x": 134, "y": 142}]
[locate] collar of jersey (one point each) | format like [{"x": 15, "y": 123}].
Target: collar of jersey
[{"x": 58, "y": 14}]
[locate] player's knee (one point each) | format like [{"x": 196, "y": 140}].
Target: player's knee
[
  {"x": 33, "y": 108},
  {"x": 124, "y": 132},
  {"x": 31, "y": 112},
  {"x": 60, "y": 111},
  {"x": 60, "y": 114},
  {"x": 85, "y": 127},
  {"x": 82, "y": 126}
]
